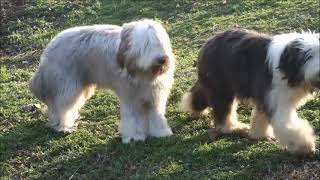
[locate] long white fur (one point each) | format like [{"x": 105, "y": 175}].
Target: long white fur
[
  {"x": 138, "y": 40},
  {"x": 292, "y": 132},
  {"x": 142, "y": 99}
]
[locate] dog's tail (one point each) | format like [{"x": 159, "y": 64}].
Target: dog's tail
[
  {"x": 35, "y": 86},
  {"x": 195, "y": 101}
]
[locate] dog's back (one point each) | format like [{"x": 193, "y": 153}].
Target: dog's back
[
  {"x": 60, "y": 59},
  {"x": 232, "y": 63},
  {"x": 235, "y": 59}
]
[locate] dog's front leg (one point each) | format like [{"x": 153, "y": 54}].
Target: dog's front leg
[
  {"x": 292, "y": 132},
  {"x": 132, "y": 124},
  {"x": 158, "y": 125}
]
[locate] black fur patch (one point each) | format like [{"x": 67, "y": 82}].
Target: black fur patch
[
  {"x": 233, "y": 65},
  {"x": 292, "y": 61}
]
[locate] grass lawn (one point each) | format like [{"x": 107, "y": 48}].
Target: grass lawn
[{"x": 29, "y": 150}]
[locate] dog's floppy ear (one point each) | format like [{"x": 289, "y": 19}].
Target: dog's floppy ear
[
  {"x": 292, "y": 61},
  {"x": 124, "y": 59}
]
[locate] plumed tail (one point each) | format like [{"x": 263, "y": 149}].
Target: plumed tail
[
  {"x": 195, "y": 101},
  {"x": 35, "y": 86}
]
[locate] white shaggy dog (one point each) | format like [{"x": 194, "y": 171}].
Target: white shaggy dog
[
  {"x": 135, "y": 61},
  {"x": 277, "y": 73}
]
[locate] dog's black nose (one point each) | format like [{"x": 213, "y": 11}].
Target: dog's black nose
[{"x": 162, "y": 59}]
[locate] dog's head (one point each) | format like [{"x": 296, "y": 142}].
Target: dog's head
[
  {"x": 145, "y": 48},
  {"x": 300, "y": 61}
]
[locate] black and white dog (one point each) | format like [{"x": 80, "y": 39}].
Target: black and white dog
[{"x": 277, "y": 73}]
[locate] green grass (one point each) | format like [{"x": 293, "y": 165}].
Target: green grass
[{"x": 29, "y": 150}]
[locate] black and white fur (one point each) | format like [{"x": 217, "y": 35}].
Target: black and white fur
[{"x": 277, "y": 74}]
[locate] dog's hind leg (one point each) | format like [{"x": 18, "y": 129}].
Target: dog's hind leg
[
  {"x": 54, "y": 115},
  {"x": 62, "y": 117},
  {"x": 64, "y": 109},
  {"x": 225, "y": 114},
  {"x": 260, "y": 127}
]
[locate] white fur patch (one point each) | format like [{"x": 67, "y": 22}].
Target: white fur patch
[
  {"x": 292, "y": 132},
  {"x": 280, "y": 42},
  {"x": 308, "y": 40}
]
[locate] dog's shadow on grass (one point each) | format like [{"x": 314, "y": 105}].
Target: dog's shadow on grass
[
  {"x": 25, "y": 136},
  {"x": 189, "y": 148},
  {"x": 165, "y": 157}
]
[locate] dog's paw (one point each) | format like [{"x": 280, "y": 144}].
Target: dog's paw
[
  {"x": 127, "y": 139},
  {"x": 164, "y": 132},
  {"x": 262, "y": 138},
  {"x": 234, "y": 128},
  {"x": 299, "y": 138},
  {"x": 257, "y": 136},
  {"x": 60, "y": 128},
  {"x": 302, "y": 148},
  {"x": 213, "y": 134},
  {"x": 65, "y": 129},
  {"x": 52, "y": 124},
  {"x": 241, "y": 128}
]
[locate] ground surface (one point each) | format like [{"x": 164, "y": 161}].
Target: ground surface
[{"x": 29, "y": 150}]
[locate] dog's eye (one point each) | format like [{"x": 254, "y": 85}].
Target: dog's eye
[{"x": 162, "y": 59}]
